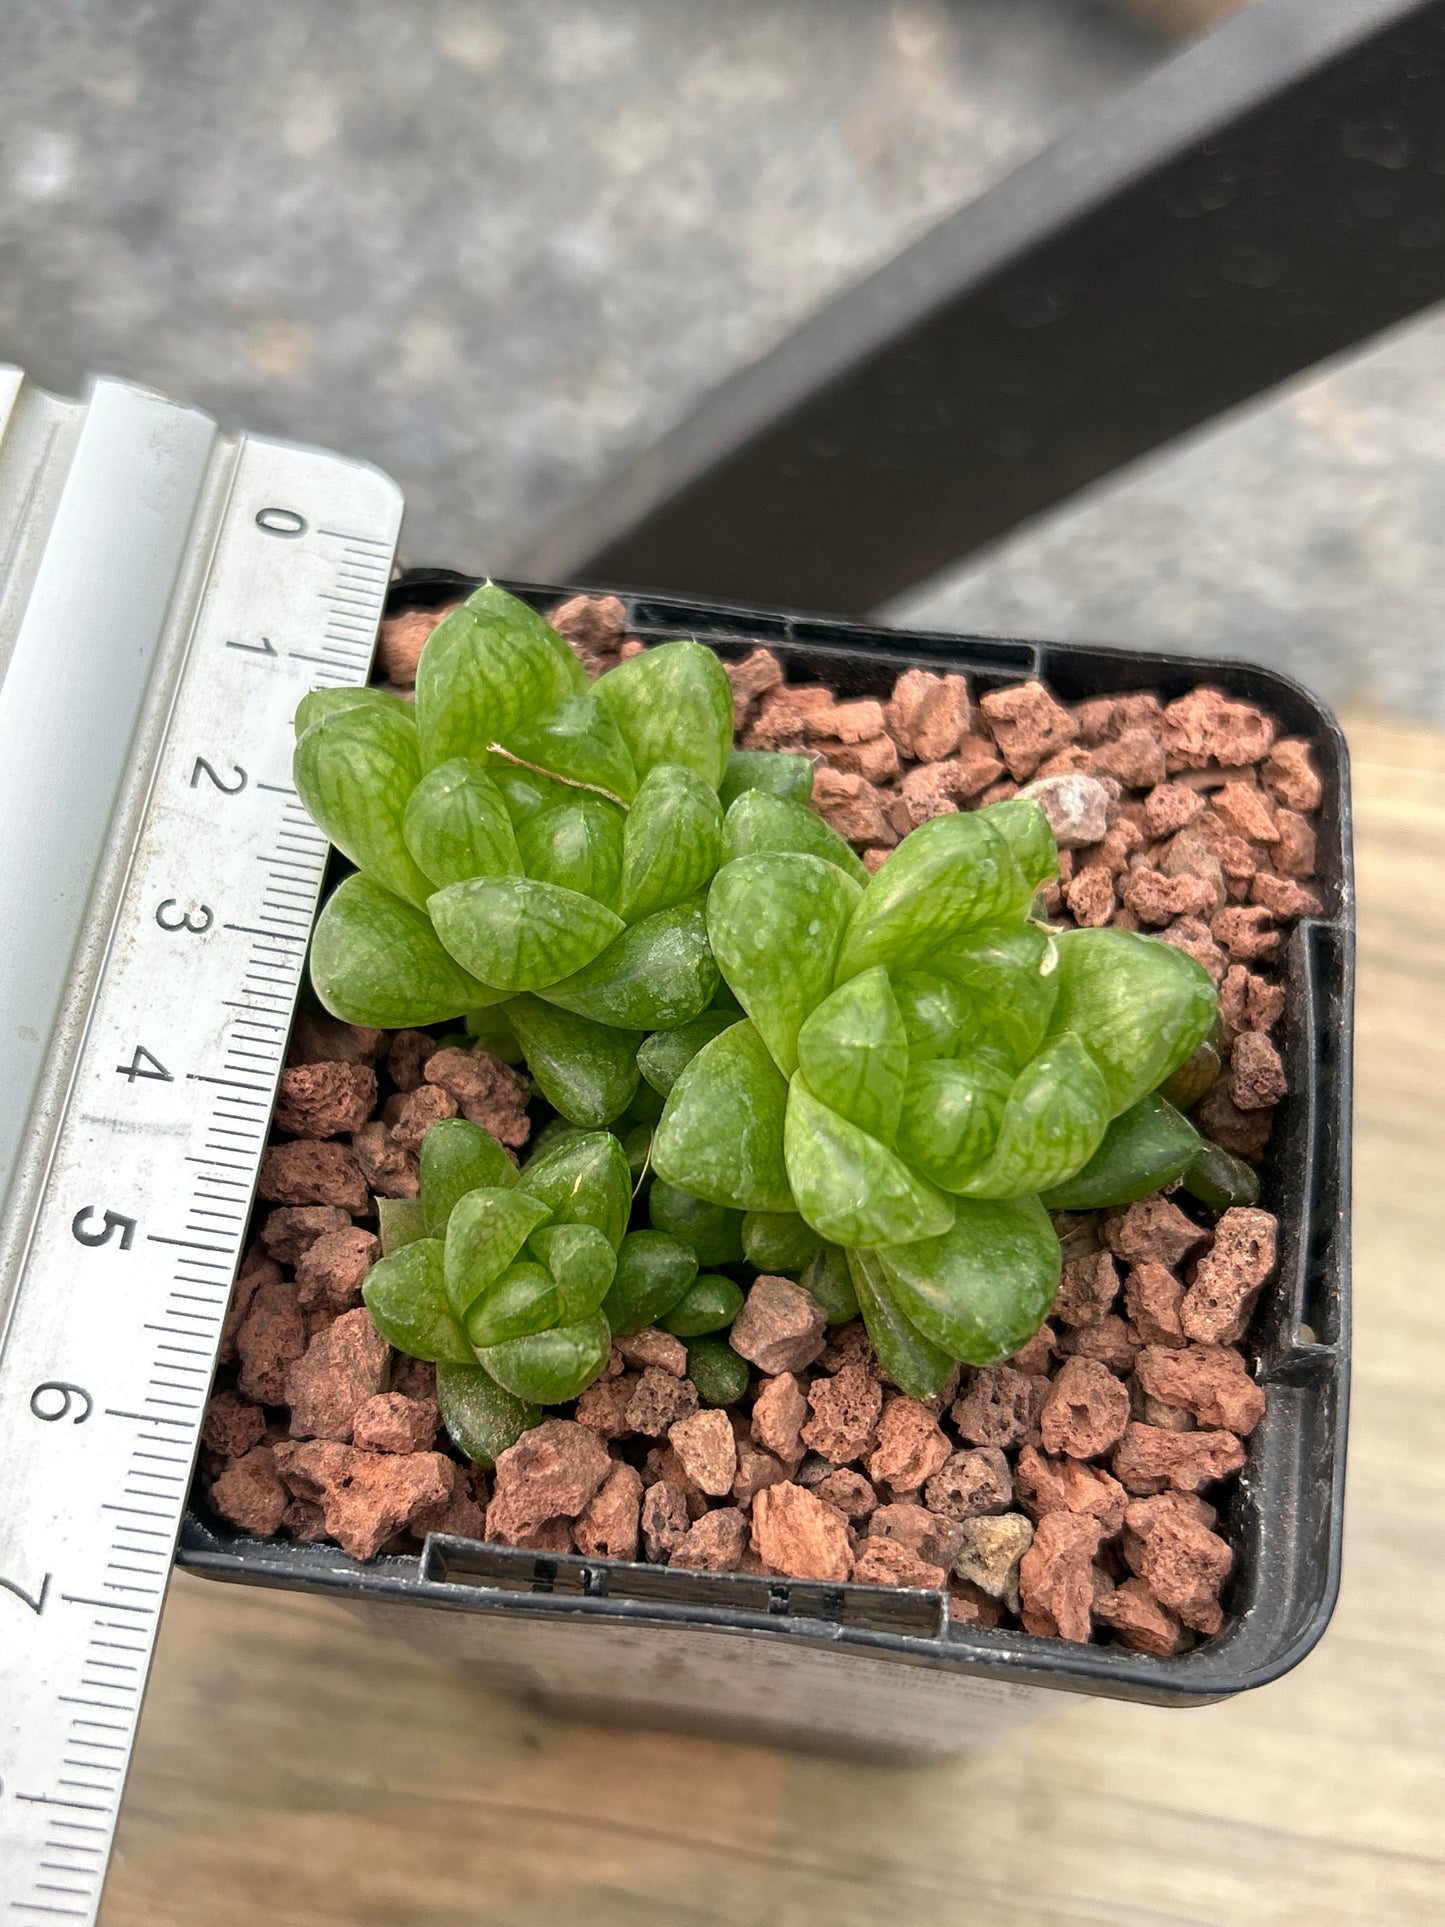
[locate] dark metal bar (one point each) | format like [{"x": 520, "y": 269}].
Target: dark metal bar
[{"x": 1272, "y": 195}]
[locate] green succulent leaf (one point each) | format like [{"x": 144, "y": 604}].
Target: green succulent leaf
[
  {"x": 582, "y": 1265},
  {"x": 776, "y": 922},
  {"x": 491, "y": 1030},
  {"x": 553, "y": 1366},
  {"x": 952, "y": 1112},
  {"x": 486, "y": 1230},
  {"x": 914, "y": 1363},
  {"x": 665, "y": 1054},
  {"x": 485, "y": 667},
  {"x": 938, "y": 1015},
  {"x": 576, "y": 844},
  {"x": 582, "y": 1177},
  {"x": 653, "y": 1271},
  {"x": 849, "y": 1187},
  {"x": 522, "y": 1301},
  {"x": 376, "y": 960},
  {"x": 773, "y": 771},
  {"x": 1010, "y": 977},
  {"x": 827, "y": 1278},
  {"x": 949, "y": 875},
  {"x": 1028, "y": 833},
  {"x": 456, "y": 825},
  {"x": 586, "y": 1071},
  {"x": 525, "y": 791},
  {"x": 518, "y": 933},
  {"x": 407, "y": 1297},
  {"x": 721, "y": 1377},
  {"x": 710, "y": 1303},
  {"x": 982, "y": 1289},
  {"x": 1053, "y": 1122},
  {"x": 780, "y": 1242},
  {"x": 672, "y": 844},
  {"x": 758, "y": 821},
  {"x": 457, "y": 1157},
  {"x": 1219, "y": 1179},
  {"x": 712, "y": 1232},
  {"x": 317, "y": 703},
  {"x": 657, "y": 974},
  {"x": 721, "y": 1135},
  {"x": 354, "y": 770},
  {"x": 1139, "y": 1005},
  {"x": 480, "y": 1417},
  {"x": 577, "y": 742},
  {"x": 1145, "y": 1149},
  {"x": 853, "y": 1051},
  {"x": 400, "y": 1221},
  {"x": 673, "y": 704}
]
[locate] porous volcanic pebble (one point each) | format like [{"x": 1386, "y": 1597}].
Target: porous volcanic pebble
[
  {"x": 929, "y": 1534},
  {"x": 911, "y": 1446},
  {"x": 780, "y": 1328},
  {"x": 231, "y": 1426},
  {"x": 317, "y": 1038},
  {"x": 367, "y": 1497},
  {"x": 551, "y": 1472},
  {"x": 1149, "y": 1459},
  {"x": 1227, "y": 1278},
  {"x": 609, "y": 1526},
  {"x": 1206, "y": 726},
  {"x": 1056, "y": 1575},
  {"x": 485, "y": 1090},
  {"x": 714, "y": 1543},
  {"x": 658, "y": 1401},
  {"x": 666, "y": 1521},
  {"x": 779, "y": 1410},
  {"x": 846, "y": 1410},
  {"x": 325, "y": 1100},
  {"x": 250, "y": 1494},
  {"x": 1152, "y": 1231},
  {"x": 1087, "y": 1289},
  {"x": 269, "y": 1340},
  {"x": 1085, "y": 1411},
  {"x": 887, "y": 1562},
  {"x": 462, "y": 1513},
  {"x": 796, "y": 1533},
  {"x": 990, "y": 1552},
  {"x": 1138, "y": 1619},
  {"x": 1077, "y": 808},
  {"x": 407, "y": 1056},
  {"x": 1290, "y": 777},
  {"x": 1046, "y": 1485},
  {"x": 970, "y": 1484},
  {"x": 332, "y": 1269},
  {"x": 309, "y": 1173},
  {"x": 1028, "y": 726},
  {"x": 705, "y": 1444},
  {"x": 389, "y": 1168},
  {"x": 392, "y": 1422},
  {"x": 1168, "y": 1543},
  {"x": 344, "y": 1365},
  {"x": 1256, "y": 1073},
  {"x": 409, "y": 1118},
  {"x": 997, "y": 1408},
  {"x": 1211, "y": 1381},
  {"x": 649, "y": 1346},
  {"x": 290, "y": 1231},
  {"x": 1152, "y": 1297}
]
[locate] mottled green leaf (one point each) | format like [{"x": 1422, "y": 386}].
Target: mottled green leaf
[
  {"x": 553, "y": 1366},
  {"x": 325, "y": 702},
  {"x": 518, "y": 933},
  {"x": 399, "y": 1221},
  {"x": 654, "y": 1269},
  {"x": 1220, "y": 1180},
  {"x": 721, "y": 1135},
  {"x": 952, "y": 1112},
  {"x": 780, "y": 1242},
  {"x": 672, "y": 845},
  {"x": 457, "y": 1157},
  {"x": 491, "y": 1031},
  {"x": 656, "y": 974},
  {"x": 721, "y": 1377},
  {"x": 1145, "y": 1148},
  {"x": 456, "y": 825},
  {"x": 577, "y": 742},
  {"x": 486, "y": 1230},
  {"x": 577, "y": 844},
  {"x": 758, "y": 821},
  {"x": 1010, "y": 976},
  {"x": 914, "y": 1363},
  {"x": 586, "y": 1071},
  {"x": 582, "y": 1178},
  {"x": 376, "y": 960},
  {"x": 522, "y": 1301},
  {"x": 710, "y": 1304},
  {"x": 407, "y": 1297},
  {"x": 663, "y": 1056},
  {"x": 776, "y": 922},
  {"x": 485, "y": 667},
  {"x": 1053, "y": 1122},
  {"x": 1139, "y": 1005},
  {"x": 1027, "y": 831},
  {"x": 354, "y": 770},
  {"x": 938, "y": 1015},
  {"x": 673, "y": 704},
  {"x": 712, "y": 1232},
  {"x": 582, "y": 1265},
  {"x": 524, "y": 791},
  {"x": 849, "y": 1187},
  {"x": 480, "y": 1417},
  {"x": 949, "y": 875},
  {"x": 982, "y": 1289},
  {"x": 826, "y": 1278},
  {"x": 853, "y": 1051},
  {"x": 771, "y": 770}
]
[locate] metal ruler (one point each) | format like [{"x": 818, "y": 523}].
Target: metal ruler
[{"x": 167, "y": 596}]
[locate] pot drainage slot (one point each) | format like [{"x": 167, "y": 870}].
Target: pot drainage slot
[{"x": 883, "y": 1609}]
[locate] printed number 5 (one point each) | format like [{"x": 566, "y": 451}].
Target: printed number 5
[{"x": 111, "y": 1222}]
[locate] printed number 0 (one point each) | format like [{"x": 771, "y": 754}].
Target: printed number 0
[
  {"x": 68, "y": 1393},
  {"x": 203, "y": 917},
  {"x": 111, "y": 1222}
]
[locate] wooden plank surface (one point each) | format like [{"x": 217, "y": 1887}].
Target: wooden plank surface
[{"x": 298, "y": 1770}]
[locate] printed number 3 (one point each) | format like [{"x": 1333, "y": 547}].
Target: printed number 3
[{"x": 197, "y": 921}]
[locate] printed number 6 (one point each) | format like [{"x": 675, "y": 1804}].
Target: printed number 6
[{"x": 197, "y": 921}]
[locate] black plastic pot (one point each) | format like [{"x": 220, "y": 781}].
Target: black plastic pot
[{"x": 881, "y": 1669}]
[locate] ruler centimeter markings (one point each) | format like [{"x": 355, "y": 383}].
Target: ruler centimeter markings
[{"x": 117, "y": 1317}]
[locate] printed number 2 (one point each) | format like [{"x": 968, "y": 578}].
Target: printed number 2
[
  {"x": 203, "y": 768},
  {"x": 111, "y": 1222}
]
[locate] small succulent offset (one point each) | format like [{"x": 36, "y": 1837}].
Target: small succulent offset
[{"x": 922, "y": 1074}]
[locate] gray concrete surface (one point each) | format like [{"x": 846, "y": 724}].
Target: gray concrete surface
[{"x": 497, "y": 247}]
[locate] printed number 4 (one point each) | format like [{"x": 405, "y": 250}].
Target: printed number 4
[{"x": 135, "y": 1068}]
